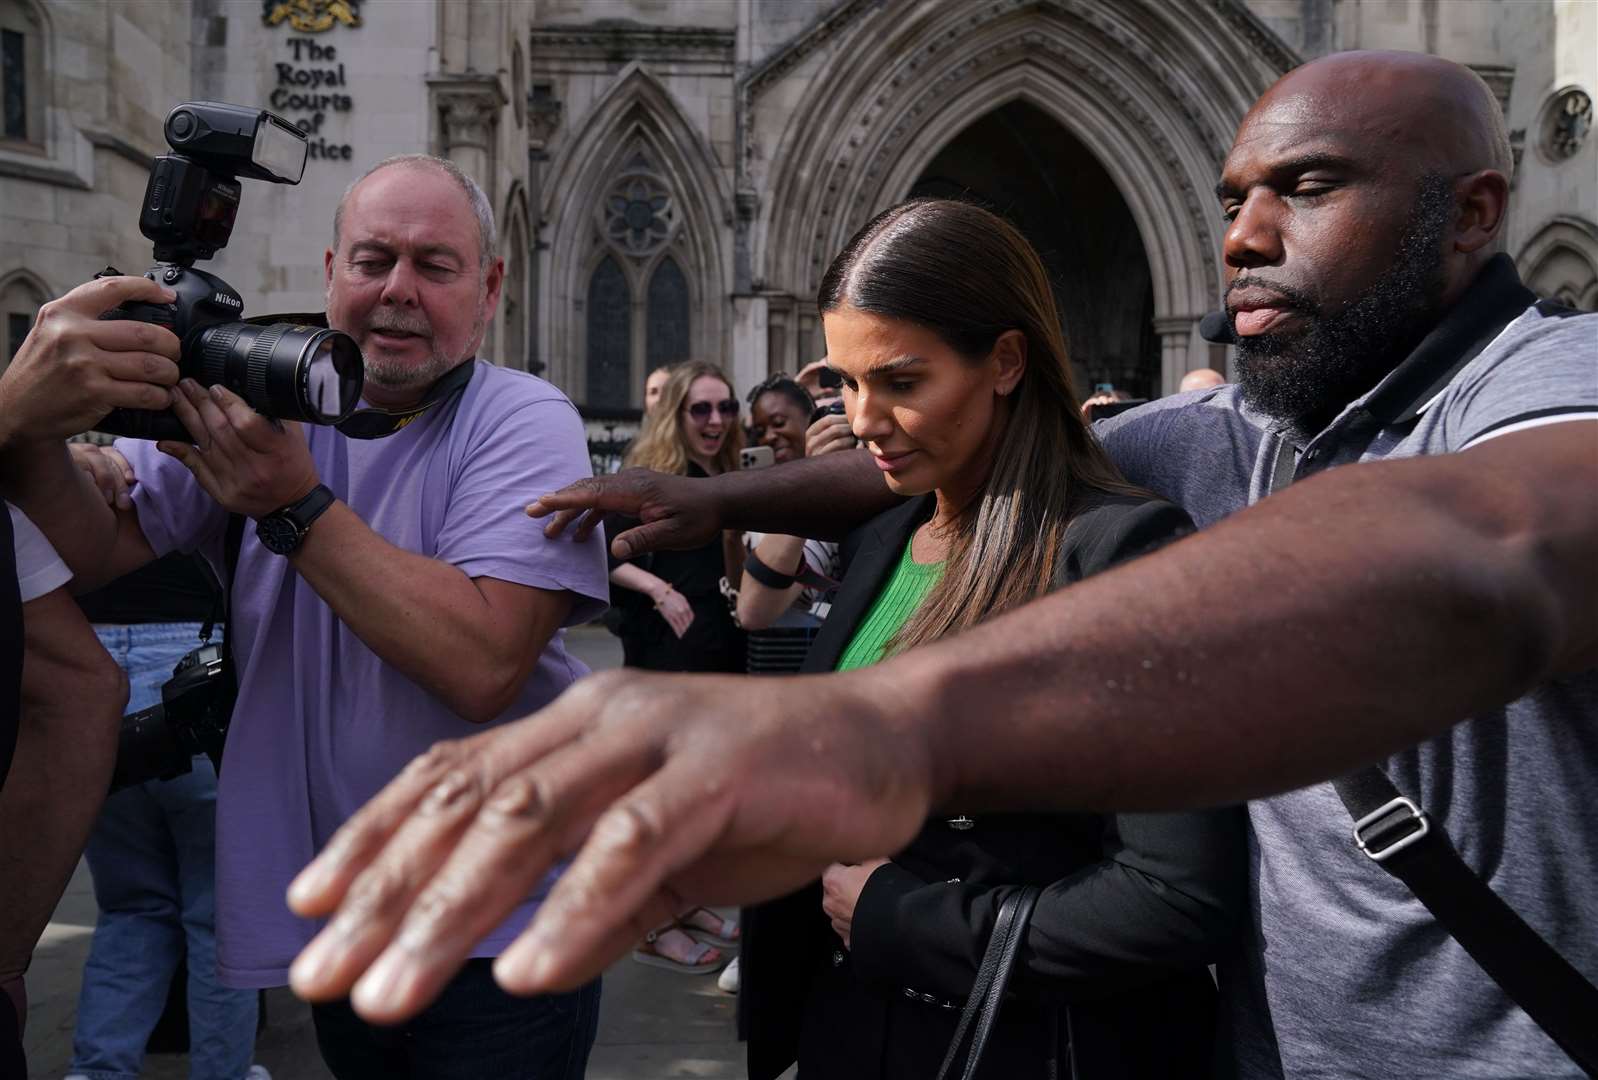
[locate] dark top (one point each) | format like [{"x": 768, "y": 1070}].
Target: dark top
[
  {"x": 713, "y": 641},
  {"x": 10, "y": 647},
  {"x": 172, "y": 589},
  {"x": 1111, "y": 977}
]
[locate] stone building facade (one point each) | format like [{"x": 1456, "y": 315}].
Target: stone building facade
[{"x": 672, "y": 176}]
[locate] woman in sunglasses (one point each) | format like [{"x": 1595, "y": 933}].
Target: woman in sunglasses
[
  {"x": 940, "y": 320},
  {"x": 672, "y": 615}
]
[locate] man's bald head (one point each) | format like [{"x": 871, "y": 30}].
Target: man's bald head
[
  {"x": 1435, "y": 113},
  {"x": 1364, "y": 192}
]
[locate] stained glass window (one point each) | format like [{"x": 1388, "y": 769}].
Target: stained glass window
[
  {"x": 609, "y": 336},
  {"x": 666, "y": 318}
]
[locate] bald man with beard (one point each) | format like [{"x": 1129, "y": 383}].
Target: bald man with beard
[{"x": 1433, "y": 610}]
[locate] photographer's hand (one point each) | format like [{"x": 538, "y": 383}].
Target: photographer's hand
[
  {"x": 249, "y": 464},
  {"x": 831, "y": 432},
  {"x": 73, "y": 368}
]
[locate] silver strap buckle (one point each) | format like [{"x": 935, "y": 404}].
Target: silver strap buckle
[{"x": 1380, "y": 847}]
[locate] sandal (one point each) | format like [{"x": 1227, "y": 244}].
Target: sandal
[
  {"x": 704, "y": 925},
  {"x": 698, "y": 958}
]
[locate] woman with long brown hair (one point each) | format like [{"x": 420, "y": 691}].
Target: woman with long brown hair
[{"x": 939, "y": 317}]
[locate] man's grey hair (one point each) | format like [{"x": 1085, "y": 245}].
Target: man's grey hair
[{"x": 487, "y": 235}]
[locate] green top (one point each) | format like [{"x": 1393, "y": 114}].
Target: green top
[{"x": 909, "y": 585}]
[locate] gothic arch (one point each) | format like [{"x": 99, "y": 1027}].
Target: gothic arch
[
  {"x": 1561, "y": 262},
  {"x": 22, "y": 293},
  {"x": 635, "y": 129},
  {"x": 516, "y": 294},
  {"x": 1153, "y": 90}
]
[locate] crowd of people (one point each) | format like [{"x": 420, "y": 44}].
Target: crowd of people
[{"x": 1033, "y": 744}]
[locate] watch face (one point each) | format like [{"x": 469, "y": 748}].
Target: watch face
[{"x": 278, "y": 533}]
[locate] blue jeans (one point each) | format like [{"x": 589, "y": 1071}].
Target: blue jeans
[
  {"x": 152, "y": 854},
  {"x": 474, "y": 1031}
]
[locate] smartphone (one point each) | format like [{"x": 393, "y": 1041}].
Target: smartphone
[
  {"x": 756, "y": 457},
  {"x": 1113, "y": 408},
  {"x": 1103, "y": 388}
]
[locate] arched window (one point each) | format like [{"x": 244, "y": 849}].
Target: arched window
[
  {"x": 21, "y": 73},
  {"x": 609, "y": 336},
  {"x": 666, "y": 317},
  {"x": 20, "y": 301}
]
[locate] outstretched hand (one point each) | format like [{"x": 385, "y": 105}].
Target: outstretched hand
[
  {"x": 677, "y": 512},
  {"x": 672, "y": 790}
]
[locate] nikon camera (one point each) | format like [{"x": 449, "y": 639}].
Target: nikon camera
[
  {"x": 160, "y": 742},
  {"x": 284, "y": 370}
]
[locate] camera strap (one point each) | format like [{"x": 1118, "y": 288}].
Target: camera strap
[{"x": 375, "y": 423}]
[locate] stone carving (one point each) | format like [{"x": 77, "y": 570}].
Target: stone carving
[
  {"x": 640, "y": 215},
  {"x": 468, "y": 110},
  {"x": 1567, "y": 118},
  {"x": 1067, "y": 52}
]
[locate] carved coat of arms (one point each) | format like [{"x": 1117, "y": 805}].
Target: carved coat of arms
[{"x": 311, "y": 16}]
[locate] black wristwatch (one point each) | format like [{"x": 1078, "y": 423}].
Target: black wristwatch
[{"x": 283, "y": 531}]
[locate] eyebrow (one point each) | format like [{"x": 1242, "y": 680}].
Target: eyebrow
[
  {"x": 887, "y": 367},
  {"x": 1321, "y": 159},
  {"x": 431, "y": 250}
]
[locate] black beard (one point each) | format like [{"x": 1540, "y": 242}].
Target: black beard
[{"x": 1307, "y": 376}]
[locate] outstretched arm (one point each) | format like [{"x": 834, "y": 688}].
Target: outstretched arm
[
  {"x": 1372, "y": 606},
  {"x": 822, "y": 497}
]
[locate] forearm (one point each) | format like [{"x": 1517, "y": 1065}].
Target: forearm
[
  {"x": 1350, "y": 616},
  {"x": 636, "y": 578},
  {"x": 97, "y": 542},
  {"x": 822, "y": 497},
  {"x": 72, "y": 699},
  {"x": 439, "y": 629},
  {"x": 760, "y": 605}
]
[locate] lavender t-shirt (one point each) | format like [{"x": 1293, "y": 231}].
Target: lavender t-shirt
[{"x": 321, "y": 723}]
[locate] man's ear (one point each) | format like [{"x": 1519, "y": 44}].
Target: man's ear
[
  {"x": 327, "y": 268},
  {"x": 493, "y": 281},
  {"x": 1482, "y": 198},
  {"x": 1009, "y": 354}
]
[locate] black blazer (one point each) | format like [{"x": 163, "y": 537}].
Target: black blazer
[{"x": 1111, "y": 980}]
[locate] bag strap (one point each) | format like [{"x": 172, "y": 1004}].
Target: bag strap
[
  {"x": 1401, "y": 839},
  {"x": 993, "y": 975},
  {"x": 232, "y": 541}
]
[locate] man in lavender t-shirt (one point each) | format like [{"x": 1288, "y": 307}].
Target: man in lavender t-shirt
[{"x": 403, "y": 599}]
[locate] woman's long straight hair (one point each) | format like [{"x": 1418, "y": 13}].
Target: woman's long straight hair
[
  {"x": 968, "y": 276},
  {"x": 662, "y": 443}
]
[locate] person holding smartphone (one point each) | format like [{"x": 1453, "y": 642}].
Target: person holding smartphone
[{"x": 787, "y": 580}]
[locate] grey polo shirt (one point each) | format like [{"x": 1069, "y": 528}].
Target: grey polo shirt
[{"x": 1343, "y": 973}]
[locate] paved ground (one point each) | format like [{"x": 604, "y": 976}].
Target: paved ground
[{"x": 653, "y": 1024}]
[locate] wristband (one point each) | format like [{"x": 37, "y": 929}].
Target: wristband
[{"x": 764, "y": 574}]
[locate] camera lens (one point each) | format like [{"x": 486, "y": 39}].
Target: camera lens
[{"x": 285, "y": 370}]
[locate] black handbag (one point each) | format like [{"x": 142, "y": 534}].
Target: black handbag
[{"x": 987, "y": 992}]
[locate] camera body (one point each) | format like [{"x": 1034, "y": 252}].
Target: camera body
[
  {"x": 160, "y": 742},
  {"x": 190, "y": 205},
  {"x": 831, "y": 408}
]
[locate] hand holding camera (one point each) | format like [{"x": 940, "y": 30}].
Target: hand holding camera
[
  {"x": 829, "y": 430},
  {"x": 73, "y": 369},
  {"x": 249, "y": 464}
]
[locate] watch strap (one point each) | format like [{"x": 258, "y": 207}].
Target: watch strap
[{"x": 308, "y": 509}]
